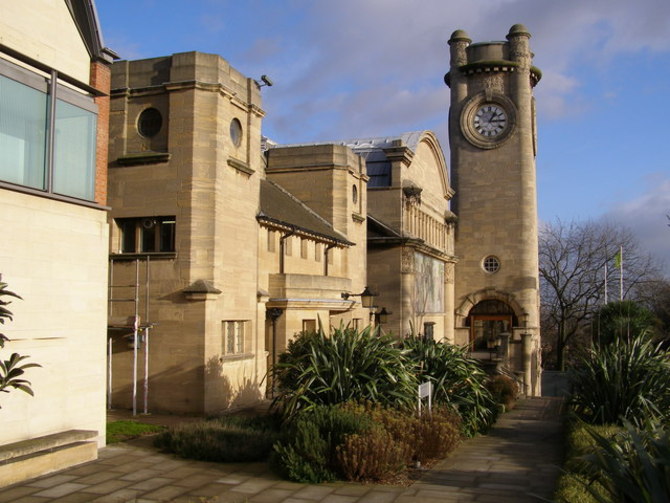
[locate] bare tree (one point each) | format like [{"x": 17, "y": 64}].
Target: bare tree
[{"x": 578, "y": 268}]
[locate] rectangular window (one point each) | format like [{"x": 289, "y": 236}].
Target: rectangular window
[
  {"x": 234, "y": 333},
  {"x": 318, "y": 251},
  {"x": 303, "y": 248},
  {"x": 55, "y": 154},
  {"x": 309, "y": 325},
  {"x": 147, "y": 234},
  {"x": 428, "y": 330}
]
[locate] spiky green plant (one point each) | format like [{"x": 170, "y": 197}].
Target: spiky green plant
[
  {"x": 459, "y": 382},
  {"x": 347, "y": 364},
  {"x": 634, "y": 467},
  {"x": 623, "y": 380},
  {"x": 12, "y": 370}
]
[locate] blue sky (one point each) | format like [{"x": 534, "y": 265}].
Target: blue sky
[{"x": 349, "y": 68}]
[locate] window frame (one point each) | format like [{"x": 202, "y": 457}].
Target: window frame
[
  {"x": 49, "y": 81},
  {"x": 240, "y": 333},
  {"x": 138, "y": 228}
]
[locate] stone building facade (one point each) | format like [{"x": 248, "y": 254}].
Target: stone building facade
[
  {"x": 54, "y": 104},
  {"x": 219, "y": 255},
  {"x": 229, "y": 245}
]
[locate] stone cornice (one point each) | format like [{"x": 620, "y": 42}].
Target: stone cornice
[{"x": 215, "y": 87}]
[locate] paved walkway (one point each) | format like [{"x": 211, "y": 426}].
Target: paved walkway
[{"x": 518, "y": 461}]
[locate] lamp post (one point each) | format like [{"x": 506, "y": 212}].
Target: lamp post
[{"x": 273, "y": 314}]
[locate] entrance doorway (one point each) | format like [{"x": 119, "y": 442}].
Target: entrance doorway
[
  {"x": 485, "y": 330},
  {"x": 487, "y": 320}
]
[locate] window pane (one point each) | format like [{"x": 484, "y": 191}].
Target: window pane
[
  {"x": 148, "y": 235},
  {"x": 240, "y": 337},
  {"x": 74, "y": 151},
  {"x": 167, "y": 235},
  {"x": 23, "y": 124},
  {"x": 128, "y": 233},
  {"x": 230, "y": 337}
]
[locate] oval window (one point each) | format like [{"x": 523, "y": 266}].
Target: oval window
[
  {"x": 149, "y": 122},
  {"x": 236, "y": 132}
]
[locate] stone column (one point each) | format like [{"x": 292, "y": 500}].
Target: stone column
[{"x": 527, "y": 355}]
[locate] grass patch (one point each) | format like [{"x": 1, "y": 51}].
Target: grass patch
[
  {"x": 120, "y": 431},
  {"x": 571, "y": 485}
]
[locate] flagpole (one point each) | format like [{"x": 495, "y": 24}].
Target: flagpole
[
  {"x": 605, "y": 282},
  {"x": 621, "y": 273}
]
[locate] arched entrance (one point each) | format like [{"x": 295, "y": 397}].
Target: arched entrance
[{"x": 487, "y": 320}]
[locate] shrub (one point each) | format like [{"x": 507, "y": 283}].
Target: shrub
[
  {"x": 503, "y": 389},
  {"x": 227, "y": 439},
  {"x": 430, "y": 436},
  {"x": 458, "y": 381},
  {"x": 373, "y": 455},
  {"x": 622, "y": 381},
  {"x": 307, "y": 450},
  {"x": 320, "y": 369},
  {"x": 436, "y": 435}
]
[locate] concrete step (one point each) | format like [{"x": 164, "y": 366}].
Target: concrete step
[{"x": 31, "y": 458}]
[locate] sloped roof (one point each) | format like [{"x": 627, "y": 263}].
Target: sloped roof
[
  {"x": 86, "y": 18},
  {"x": 281, "y": 207},
  {"x": 410, "y": 140},
  {"x": 378, "y": 229}
]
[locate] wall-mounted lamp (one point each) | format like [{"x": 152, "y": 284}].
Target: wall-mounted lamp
[
  {"x": 367, "y": 297},
  {"x": 382, "y": 316}
]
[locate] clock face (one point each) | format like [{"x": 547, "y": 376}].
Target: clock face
[{"x": 490, "y": 120}]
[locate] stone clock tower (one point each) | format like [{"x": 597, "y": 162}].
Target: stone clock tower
[{"x": 493, "y": 145}]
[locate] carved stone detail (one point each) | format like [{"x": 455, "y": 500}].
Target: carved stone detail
[
  {"x": 494, "y": 84},
  {"x": 407, "y": 261}
]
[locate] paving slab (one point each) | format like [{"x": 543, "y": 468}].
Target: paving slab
[{"x": 518, "y": 461}]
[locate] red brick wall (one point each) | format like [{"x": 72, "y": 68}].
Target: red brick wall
[{"x": 100, "y": 79}]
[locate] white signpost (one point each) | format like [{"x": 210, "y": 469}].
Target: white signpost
[{"x": 426, "y": 391}]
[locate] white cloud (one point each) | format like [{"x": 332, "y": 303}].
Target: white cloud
[
  {"x": 646, "y": 216},
  {"x": 363, "y": 48}
]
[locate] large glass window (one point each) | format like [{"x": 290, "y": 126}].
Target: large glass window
[
  {"x": 54, "y": 154},
  {"x": 23, "y": 127},
  {"x": 74, "y": 151}
]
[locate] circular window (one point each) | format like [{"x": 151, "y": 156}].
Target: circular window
[
  {"x": 354, "y": 194},
  {"x": 236, "y": 132},
  {"x": 149, "y": 122},
  {"x": 491, "y": 264}
]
